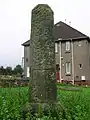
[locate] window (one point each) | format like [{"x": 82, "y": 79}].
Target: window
[
  {"x": 79, "y": 43},
  {"x": 57, "y": 67},
  {"x": 77, "y": 77},
  {"x": 68, "y": 68},
  {"x": 67, "y": 46},
  {"x": 56, "y": 47},
  {"x": 80, "y": 66},
  {"x": 28, "y": 72},
  {"x": 26, "y": 59},
  {"x": 82, "y": 77}
]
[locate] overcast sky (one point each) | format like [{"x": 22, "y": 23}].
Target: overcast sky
[{"x": 15, "y": 20}]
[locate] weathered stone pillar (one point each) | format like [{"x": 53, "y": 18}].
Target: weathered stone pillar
[{"x": 42, "y": 51}]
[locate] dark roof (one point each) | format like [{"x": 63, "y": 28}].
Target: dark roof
[
  {"x": 65, "y": 32},
  {"x": 62, "y": 31},
  {"x": 27, "y": 43}
]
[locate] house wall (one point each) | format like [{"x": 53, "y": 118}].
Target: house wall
[
  {"x": 26, "y": 58},
  {"x": 66, "y": 57},
  {"x": 81, "y": 56},
  {"x": 89, "y": 53},
  {"x": 57, "y": 55}
]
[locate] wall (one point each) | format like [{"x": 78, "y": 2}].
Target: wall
[
  {"x": 67, "y": 57},
  {"x": 81, "y": 56},
  {"x": 27, "y": 55},
  {"x": 57, "y": 55},
  {"x": 26, "y": 58}
]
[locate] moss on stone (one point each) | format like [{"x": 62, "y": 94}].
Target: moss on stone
[{"x": 42, "y": 51}]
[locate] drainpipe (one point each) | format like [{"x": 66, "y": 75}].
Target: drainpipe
[
  {"x": 72, "y": 62},
  {"x": 60, "y": 60}
]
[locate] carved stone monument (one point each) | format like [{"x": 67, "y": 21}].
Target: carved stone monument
[{"x": 42, "y": 51}]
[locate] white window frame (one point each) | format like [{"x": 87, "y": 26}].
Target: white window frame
[
  {"x": 68, "y": 70},
  {"x": 28, "y": 72},
  {"x": 79, "y": 43},
  {"x": 82, "y": 77},
  {"x": 68, "y": 46},
  {"x": 56, "y": 47}
]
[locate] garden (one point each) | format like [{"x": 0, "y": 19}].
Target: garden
[{"x": 75, "y": 103}]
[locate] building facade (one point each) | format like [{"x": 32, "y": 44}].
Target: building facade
[{"x": 72, "y": 50}]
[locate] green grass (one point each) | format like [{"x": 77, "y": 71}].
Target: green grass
[
  {"x": 11, "y": 99},
  {"x": 76, "y": 103}
]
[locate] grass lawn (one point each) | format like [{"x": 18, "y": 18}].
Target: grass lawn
[{"x": 75, "y": 102}]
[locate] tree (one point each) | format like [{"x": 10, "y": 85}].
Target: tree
[
  {"x": 2, "y": 70},
  {"x": 8, "y": 70},
  {"x": 18, "y": 70}
]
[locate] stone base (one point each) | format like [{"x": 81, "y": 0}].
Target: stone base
[{"x": 41, "y": 109}]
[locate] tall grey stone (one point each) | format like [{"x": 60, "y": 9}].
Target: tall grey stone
[{"x": 42, "y": 87}]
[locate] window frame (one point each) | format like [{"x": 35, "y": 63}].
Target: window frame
[
  {"x": 56, "y": 47},
  {"x": 79, "y": 43},
  {"x": 68, "y": 46},
  {"x": 68, "y": 70},
  {"x": 28, "y": 71}
]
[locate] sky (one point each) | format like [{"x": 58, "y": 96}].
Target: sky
[{"x": 15, "y": 23}]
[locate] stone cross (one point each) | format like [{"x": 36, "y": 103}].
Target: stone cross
[{"x": 42, "y": 52}]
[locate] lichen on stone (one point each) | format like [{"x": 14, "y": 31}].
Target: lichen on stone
[{"x": 42, "y": 51}]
